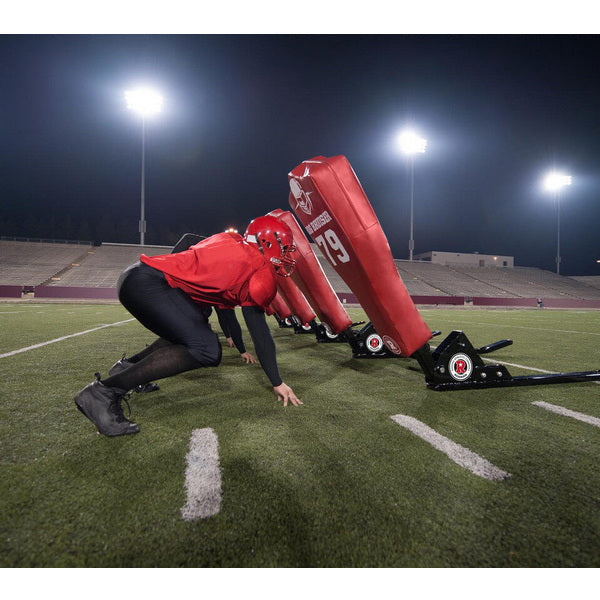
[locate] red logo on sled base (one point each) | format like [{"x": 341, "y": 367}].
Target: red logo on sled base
[{"x": 460, "y": 367}]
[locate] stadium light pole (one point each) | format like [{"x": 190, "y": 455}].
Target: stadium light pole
[
  {"x": 554, "y": 182},
  {"x": 146, "y": 103},
  {"x": 410, "y": 144}
]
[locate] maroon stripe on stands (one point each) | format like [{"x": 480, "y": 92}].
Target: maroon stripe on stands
[
  {"x": 10, "y": 291},
  {"x": 570, "y": 303},
  {"x": 460, "y": 300},
  {"x": 15, "y": 291},
  {"x": 76, "y": 292},
  {"x": 482, "y": 301}
]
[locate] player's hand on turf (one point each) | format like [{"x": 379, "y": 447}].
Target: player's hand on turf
[
  {"x": 285, "y": 394},
  {"x": 248, "y": 358},
  {"x": 230, "y": 342}
]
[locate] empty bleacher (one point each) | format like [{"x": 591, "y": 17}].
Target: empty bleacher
[
  {"x": 32, "y": 263},
  {"x": 103, "y": 265},
  {"x": 529, "y": 282},
  {"x": 50, "y": 266},
  {"x": 591, "y": 280},
  {"x": 68, "y": 265},
  {"x": 444, "y": 281}
]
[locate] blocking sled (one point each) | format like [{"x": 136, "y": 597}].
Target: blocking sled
[
  {"x": 329, "y": 201},
  {"x": 313, "y": 283},
  {"x": 281, "y": 311},
  {"x": 298, "y": 304}
]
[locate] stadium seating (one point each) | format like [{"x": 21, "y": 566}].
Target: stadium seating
[
  {"x": 444, "y": 281},
  {"x": 30, "y": 264},
  {"x": 104, "y": 264},
  {"x": 591, "y": 280},
  {"x": 68, "y": 265},
  {"x": 36, "y": 264},
  {"x": 527, "y": 282}
]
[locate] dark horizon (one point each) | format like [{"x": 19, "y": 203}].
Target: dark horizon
[{"x": 241, "y": 111}]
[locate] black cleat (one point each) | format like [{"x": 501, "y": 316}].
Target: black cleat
[
  {"x": 119, "y": 366},
  {"x": 102, "y": 406},
  {"x": 123, "y": 364}
]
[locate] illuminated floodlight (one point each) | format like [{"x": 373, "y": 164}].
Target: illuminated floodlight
[
  {"x": 411, "y": 143},
  {"x": 555, "y": 181},
  {"x": 231, "y": 230},
  {"x": 144, "y": 101}
]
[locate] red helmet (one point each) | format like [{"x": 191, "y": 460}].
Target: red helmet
[{"x": 274, "y": 239}]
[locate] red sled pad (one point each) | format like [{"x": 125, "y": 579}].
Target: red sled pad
[
  {"x": 280, "y": 308},
  {"x": 330, "y": 202},
  {"x": 312, "y": 281},
  {"x": 295, "y": 299}
]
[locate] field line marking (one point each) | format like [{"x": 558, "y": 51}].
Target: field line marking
[
  {"x": 524, "y": 327},
  {"x": 64, "y": 337},
  {"x": 500, "y": 362},
  {"x": 459, "y": 454},
  {"x": 509, "y": 364},
  {"x": 202, "y": 476},
  {"x": 565, "y": 412}
]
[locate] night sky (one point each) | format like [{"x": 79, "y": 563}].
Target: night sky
[{"x": 241, "y": 111}]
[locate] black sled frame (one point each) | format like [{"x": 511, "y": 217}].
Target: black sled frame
[{"x": 456, "y": 365}]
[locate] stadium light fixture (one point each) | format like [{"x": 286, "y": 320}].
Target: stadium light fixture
[
  {"x": 146, "y": 103},
  {"x": 410, "y": 143},
  {"x": 554, "y": 182}
]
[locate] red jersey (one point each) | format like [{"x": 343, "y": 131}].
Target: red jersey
[{"x": 222, "y": 270}]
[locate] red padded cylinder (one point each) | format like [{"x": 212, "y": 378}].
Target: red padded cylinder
[
  {"x": 312, "y": 281},
  {"x": 280, "y": 307},
  {"x": 295, "y": 299},
  {"x": 329, "y": 201}
]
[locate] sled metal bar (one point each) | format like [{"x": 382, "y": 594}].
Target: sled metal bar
[
  {"x": 493, "y": 347},
  {"x": 576, "y": 377}
]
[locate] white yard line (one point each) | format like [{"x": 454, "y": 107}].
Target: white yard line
[
  {"x": 202, "y": 476},
  {"x": 565, "y": 412},
  {"x": 512, "y": 326},
  {"x": 459, "y": 454},
  {"x": 64, "y": 337},
  {"x": 500, "y": 362},
  {"x": 508, "y": 364}
]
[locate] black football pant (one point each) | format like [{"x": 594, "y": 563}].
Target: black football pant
[{"x": 186, "y": 338}]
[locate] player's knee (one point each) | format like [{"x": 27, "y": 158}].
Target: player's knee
[
  {"x": 208, "y": 354},
  {"x": 214, "y": 358}
]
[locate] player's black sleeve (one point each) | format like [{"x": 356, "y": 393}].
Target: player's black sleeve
[
  {"x": 230, "y": 327},
  {"x": 263, "y": 342}
]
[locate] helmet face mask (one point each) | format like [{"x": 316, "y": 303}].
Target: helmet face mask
[{"x": 274, "y": 239}]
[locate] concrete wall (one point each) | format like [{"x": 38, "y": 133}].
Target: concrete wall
[{"x": 472, "y": 260}]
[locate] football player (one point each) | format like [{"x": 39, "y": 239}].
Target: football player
[{"x": 164, "y": 293}]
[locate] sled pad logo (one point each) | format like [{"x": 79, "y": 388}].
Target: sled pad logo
[{"x": 460, "y": 367}]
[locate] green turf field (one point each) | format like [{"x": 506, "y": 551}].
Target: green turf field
[{"x": 333, "y": 483}]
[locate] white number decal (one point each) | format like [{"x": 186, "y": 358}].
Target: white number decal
[{"x": 332, "y": 241}]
